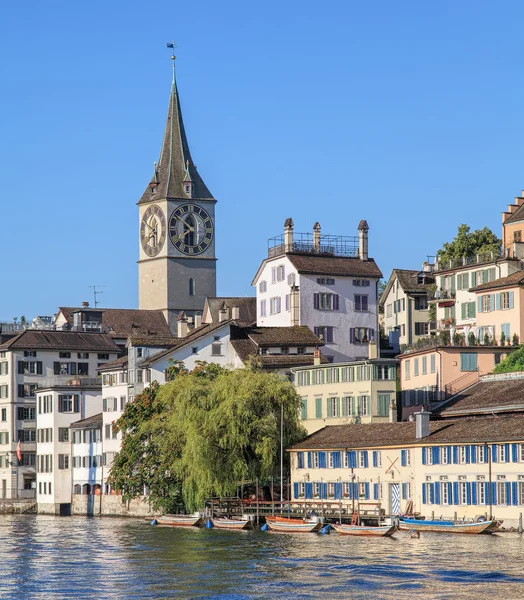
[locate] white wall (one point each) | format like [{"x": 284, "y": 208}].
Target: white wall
[{"x": 277, "y": 289}]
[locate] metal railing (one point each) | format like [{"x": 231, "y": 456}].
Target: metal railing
[
  {"x": 69, "y": 381},
  {"x": 304, "y": 243},
  {"x": 472, "y": 260}
]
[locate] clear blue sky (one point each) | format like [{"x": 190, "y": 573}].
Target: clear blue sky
[{"x": 407, "y": 114}]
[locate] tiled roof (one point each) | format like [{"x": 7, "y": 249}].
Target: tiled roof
[
  {"x": 408, "y": 279},
  {"x": 175, "y": 162},
  {"x": 343, "y": 266},
  {"x": 247, "y": 308},
  {"x": 124, "y": 322},
  {"x": 114, "y": 365},
  {"x": 283, "y": 361},
  {"x": 43, "y": 339},
  {"x": 518, "y": 215},
  {"x": 298, "y": 335},
  {"x": 375, "y": 435},
  {"x": 153, "y": 341},
  {"x": 495, "y": 396},
  {"x": 512, "y": 280},
  {"x": 94, "y": 422}
]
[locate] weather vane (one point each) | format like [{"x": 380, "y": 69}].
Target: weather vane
[{"x": 172, "y": 45}]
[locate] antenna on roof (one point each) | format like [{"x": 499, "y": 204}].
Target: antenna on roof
[{"x": 96, "y": 293}]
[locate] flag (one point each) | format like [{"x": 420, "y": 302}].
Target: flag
[
  {"x": 19, "y": 451},
  {"x": 168, "y": 45}
]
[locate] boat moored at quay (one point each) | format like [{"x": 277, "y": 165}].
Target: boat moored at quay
[{"x": 422, "y": 525}]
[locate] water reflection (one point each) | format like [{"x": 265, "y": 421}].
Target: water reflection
[{"x": 51, "y": 557}]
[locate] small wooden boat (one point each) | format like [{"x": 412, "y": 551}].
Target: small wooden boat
[
  {"x": 179, "y": 521},
  {"x": 364, "y": 531},
  {"x": 286, "y": 525},
  {"x": 448, "y": 526},
  {"x": 232, "y": 523}
]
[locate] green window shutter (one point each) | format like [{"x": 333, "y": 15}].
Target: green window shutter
[
  {"x": 432, "y": 363},
  {"x": 446, "y": 312},
  {"x": 511, "y": 299},
  {"x": 338, "y": 407},
  {"x": 452, "y": 282},
  {"x": 485, "y": 276},
  {"x": 318, "y": 408},
  {"x": 303, "y": 412},
  {"x": 442, "y": 283},
  {"x": 465, "y": 281},
  {"x": 472, "y": 309},
  {"x": 463, "y": 310}
]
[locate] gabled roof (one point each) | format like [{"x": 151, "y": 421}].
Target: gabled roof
[
  {"x": 247, "y": 308},
  {"x": 43, "y": 339},
  {"x": 408, "y": 280},
  {"x": 94, "y": 422},
  {"x": 493, "y": 394},
  {"x": 114, "y": 365},
  {"x": 518, "y": 215},
  {"x": 124, "y": 322},
  {"x": 298, "y": 335},
  {"x": 512, "y": 280},
  {"x": 175, "y": 162},
  {"x": 375, "y": 435}
]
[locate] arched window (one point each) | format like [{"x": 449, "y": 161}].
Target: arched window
[
  {"x": 191, "y": 287},
  {"x": 190, "y": 226},
  {"x": 77, "y": 489},
  {"x": 86, "y": 489}
]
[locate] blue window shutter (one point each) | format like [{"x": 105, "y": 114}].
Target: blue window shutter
[
  {"x": 375, "y": 491},
  {"x": 494, "y": 492},
  {"x": 309, "y": 490},
  {"x": 507, "y": 452},
  {"x": 374, "y": 458},
  {"x": 515, "y": 493},
  {"x": 468, "y": 492},
  {"x": 329, "y": 335},
  {"x": 423, "y": 455},
  {"x": 366, "y": 463},
  {"x": 366, "y": 490},
  {"x": 353, "y": 459},
  {"x": 437, "y": 493},
  {"x": 497, "y": 301},
  {"x": 351, "y": 335},
  {"x": 450, "y": 492},
  {"x": 424, "y": 493},
  {"x": 473, "y": 454},
  {"x": 322, "y": 460},
  {"x": 316, "y": 331},
  {"x": 324, "y": 490},
  {"x": 508, "y": 493},
  {"x": 335, "y": 302},
  {"x": 511, "y": 294},
  {"x": 316, "y": 302},
  {"x": 355, "y": 490},
  {"x": 455, "y": 455},
  {"x": 432, "y": 493},
  {"x": 468, "y": 455},
  {"x": 474, "y": 492},
  {"x": 436, "y": 455},
  {"x": 338, "y": 491},
  {"x": 295, "y": 490},
  {"x": 494, "y": 453},
  {"x": 403, "y": 457},
  {"x": 309, "y": 461},
  {"x": 403, "y": 491},
  {"x": 479, "y": 304},
  {"x": 337, "y": 460},
  {"x": 455, "y": 492},
  {"x": 514, "y": 453},
  {"x": 492, "y": 301},
  {"x": 300, "y": 460}
]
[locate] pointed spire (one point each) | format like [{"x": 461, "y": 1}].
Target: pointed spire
[{"x": 175, "y": 165}]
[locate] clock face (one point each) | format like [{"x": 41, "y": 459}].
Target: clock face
[
  {"x": 190, "y": 229},
  {"x": 153, "y": 230}
]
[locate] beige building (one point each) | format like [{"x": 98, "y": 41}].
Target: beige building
[
  {"x": 431, "y": 375},
  {"x": 513, "y": 224},
  {"x": 454, "y": 468},
  {"x": 343, "y": 393},
  {"x": 404, "y": 303},
  {"x": 500, "y": 306}
]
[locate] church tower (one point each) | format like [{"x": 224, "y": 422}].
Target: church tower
[{"x": 177, "y": 264}]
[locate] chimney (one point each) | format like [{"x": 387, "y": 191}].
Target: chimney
[
  {"x": 198, "y": 321},
  {"x": 372, "y": 350},
  {"x": 85, "y": 304},
  {"x": 294, "y": 305},
  {"x": 316, "y": 237},
  {"x": 316, "y": 357},
  {"x": 428, "y": 267},
  {"x": 223, "y": 313},
  {"x": 422, "y": 424},
  {"x": 182, "y": 327},
  {"x": 235, "y": 313},
  {"x": 363, "y": 229},
  {"x": 288, "y": 235}
]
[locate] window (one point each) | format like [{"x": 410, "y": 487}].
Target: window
[
  {"x": 63, "y": 434},
  {"x": 384, "y": 372},
  {"x": 108, "y": 432},
  {"x": 216, "y": 349},
  {"x": 332, "y": 407},
  {"x": 288, "y": 302},
  {"x": 315, "y": 460},
  {"x": 26, "y": 353},
  {"x": 277, "y": 273},
  {"x": 415, "y": 367},
  {"x": 361, "y": 302},
  {"x": 194, "y": 350},
  {"x": 467, "y": 310},
  {"x": 424, "y": 365},
  {"x": 517, "y": 236},
  {"x": 444, "y": 489},
  {"x": 360, "y": 335},
  {"x": 262, "y": 308},
  {"x": 4, "y": 368},
  {"x": 103, "y": 356},
  {"x": 506, "y": 300},
  {"x": 68, "y": 403},
  {"x": 501, "y": 492},
  {"x": 432, "y": 363},
  {"x": 407, "y": 369},
  {"x": 82, "y": 355},
  {"x": 4, "y": 391},
  {"x": 262, "y": 287},
  {"x": 64, "y": 368},
  {"x": 291, "y": 279},
  {"x": 462, "y": 454},
  {"x": 421, "y": 303},
  {"x": 64, "y": 355},
  {"x": 191, "y": 286},
  {"x": 324, "y": 332},
  {"x": 482, "y": 454},
  {"x": 389, "y": 310},
  {"x": 364, "y": 406},
  {"x": 275, "y": 305},
  {"x": 486, "y": 304},
  {"x": 503, "y": 456},
  {"x": 4, "y": 414},
  {"x": 325, "y": 301},
  {"x": 63, "y": 461},
  {"x": 446, "y": 455},
  {"x": 26, "y": 414},
  {"x": 421, "y": 328},
  {"x": 325, "y": 281},
  {"x": 468, "y": 361},
  {"x": 29, "y": 367},
  {"x": 383, "y": 405}
]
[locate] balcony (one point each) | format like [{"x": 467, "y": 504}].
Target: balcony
[
  {"x": 304, "y": 243},
  {"x": 69, "y": 381},
  {"x": 477, "y": 259}
]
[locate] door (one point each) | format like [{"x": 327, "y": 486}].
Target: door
[{"x": 394, "y": 498}]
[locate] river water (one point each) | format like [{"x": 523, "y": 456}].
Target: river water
[{"x": 73, "y": 557}]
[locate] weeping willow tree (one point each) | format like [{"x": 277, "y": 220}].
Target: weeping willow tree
[{"x": 212, "y": 428}]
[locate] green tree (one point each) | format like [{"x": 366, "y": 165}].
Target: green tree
[
  {"x": 469, "y": 243},
  {"x": 212, "y": 428},
  {"x": 513, "y": 362}
]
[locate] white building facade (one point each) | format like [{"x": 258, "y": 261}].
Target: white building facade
[{"x": 327, "y": 283}]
